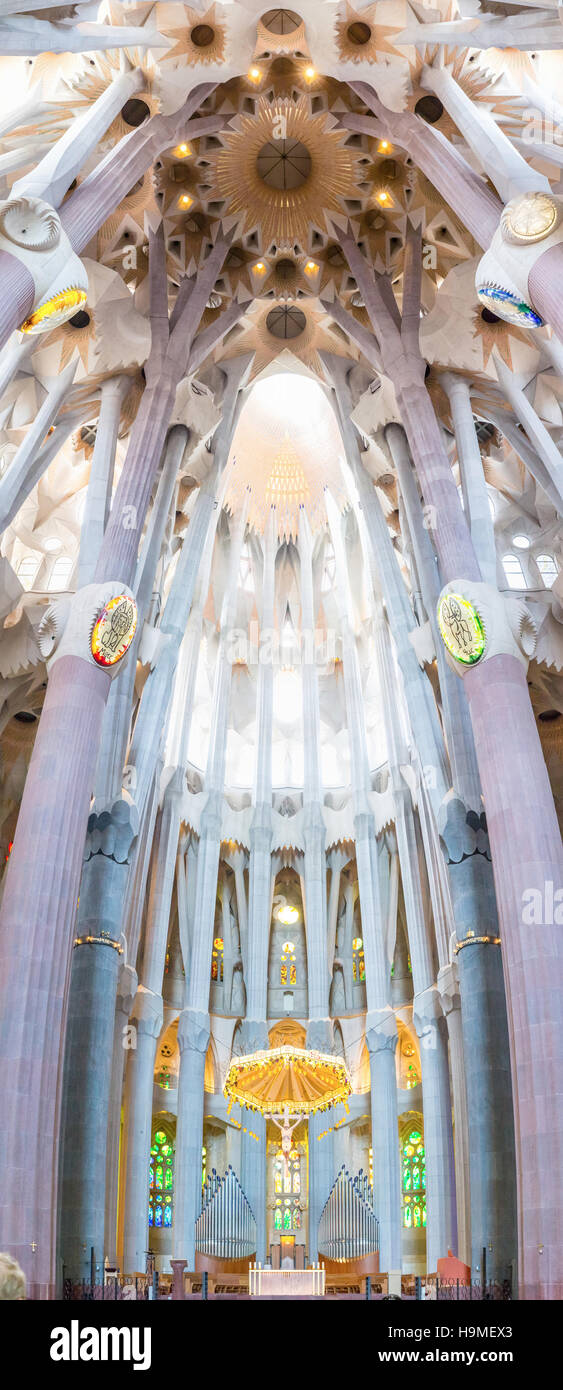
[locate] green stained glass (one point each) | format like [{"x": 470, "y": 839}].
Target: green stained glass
[{"x": 277, "y": 1219}]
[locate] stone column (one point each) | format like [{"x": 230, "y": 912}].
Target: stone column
[
  {"x": 318, "y": 980},
  {"x": 67, "y": 743},
  {"x": 148, "y": 1018},
  {"x": 259, "y": 895},
  {"x": 450, "y": 996},
  {"x": 253, "y": 1180},
  {"x": 461, "y": 749},
  {"x": 98, "y": 495},
  {"x": 441, "y": 1228},
  {"x": 34, "y": 963},
  {"x": 193, "y": 1027},
  {"x": 321, "y": 1177},
  {"x": 30, "y": 461},
  {"x": 126, "y": 990},
  {"x": 475, "y": 495},
  {"x": 505, "y": 167},
  {"x": 89, "y": 1036},
  {"x": 381, "y": 1028},
  {"x": 193, "y": 1041},
  {"x": 54, "y": 173}
]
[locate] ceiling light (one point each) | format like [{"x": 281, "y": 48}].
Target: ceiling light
[
  {"x": 383, "y": 197},
  {"x": 310, "y": 74},
  {"x": 259, "y": 267},
  {"x": 383, "y": 147},
  {"x": 521, "y": 542},
  {"x": 185, "y": 201},
  {"x": 255, "y": 74},
  {"x": 311, "y": 267},
  {"x": 182, "y": 151}
]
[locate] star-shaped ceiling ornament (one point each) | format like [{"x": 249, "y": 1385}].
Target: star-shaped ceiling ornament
[{"x": 283, "y": 167}]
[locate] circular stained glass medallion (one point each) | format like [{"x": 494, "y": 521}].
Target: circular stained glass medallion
[
  {"x": 461, "y": 629},
  {"x": 114, "y": 630}
]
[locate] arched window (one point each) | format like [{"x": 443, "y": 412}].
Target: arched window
[
  {"x": 514, "y": 572},
  {"x": 161, "y": 1180},
  {"x": 288, "y": 965},
  {"x": 358, "y": 962},
  {"x": 413, "y": 1180},
  {"x": 217, "y": 960},
  {"x": 60, "y": 574},
  {"x": 27, "y": 570},
  {"x": 547, "y": 568}
]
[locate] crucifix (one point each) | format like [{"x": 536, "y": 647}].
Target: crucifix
[{"x": 286, "y": 1129}]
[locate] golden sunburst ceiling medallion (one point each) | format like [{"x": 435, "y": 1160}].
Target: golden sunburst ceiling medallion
[{"x": 283, "y": 167}]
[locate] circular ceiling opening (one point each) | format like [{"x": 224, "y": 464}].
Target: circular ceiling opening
[
  {"x": 284, "y": 164},
  {"x": 202, "y": 35},
  {"x": 286, "y": 269},
  {"x": 281, "y": 21},
  {"x": 285, "y": 323},
  {"x": 80, "y": 320},
  {"x": 547, "y": 715},
  {"x": 135, "y": 111},
  {"x": 488, "y": 316},
  {"x": 430, "y": 108},
  {"x": 359, "y": 33},
  {"x": 25, "y": 716}
]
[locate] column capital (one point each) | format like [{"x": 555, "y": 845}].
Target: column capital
[
  {"x": 212, "y": 817},
  {"x": 448, "y": 985},
  {"x": 193, "y": 1031},
  {"x": 320, "y": 1035},
  {"x": 127, "y": 985},
  {"x": 112, "y": 828},
  {"x": 427, "y": 1010},
  {"x": 147, "y": 1012},
  {"x": 381, "y": 1031},
  {"x": 253, "y": 1037}
]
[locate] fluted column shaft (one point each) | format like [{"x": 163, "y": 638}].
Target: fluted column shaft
[
  {"x": 475, "y": 495},
  {"x": 318, "y": 980},
  {"x": 98, "y": 495},
  {"x": 35, "y": 961},
  {"x": 193, "y": 1026}
]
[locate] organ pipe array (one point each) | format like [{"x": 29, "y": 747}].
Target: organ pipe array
[
  {"x": 348, "y": 1227},
  {"x": 226, "y": 1226}
]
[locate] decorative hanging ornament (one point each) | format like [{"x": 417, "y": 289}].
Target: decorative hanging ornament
[
  {"x": 114, "y": 630},
  {"x": 461, "y": 628}
]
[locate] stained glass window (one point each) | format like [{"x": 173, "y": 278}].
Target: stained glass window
[
  {"x": 358, "y": 962},
  {"x": 161, "y": 1180},
  {"x": 288, "y": 967},
  {"x": 413, "y": 1180},
  {"x": 277, "y": 1219},
  {"x": 217, "y": 960}
]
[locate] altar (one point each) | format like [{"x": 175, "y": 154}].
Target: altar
[{"x": 286, "y": 1283}]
